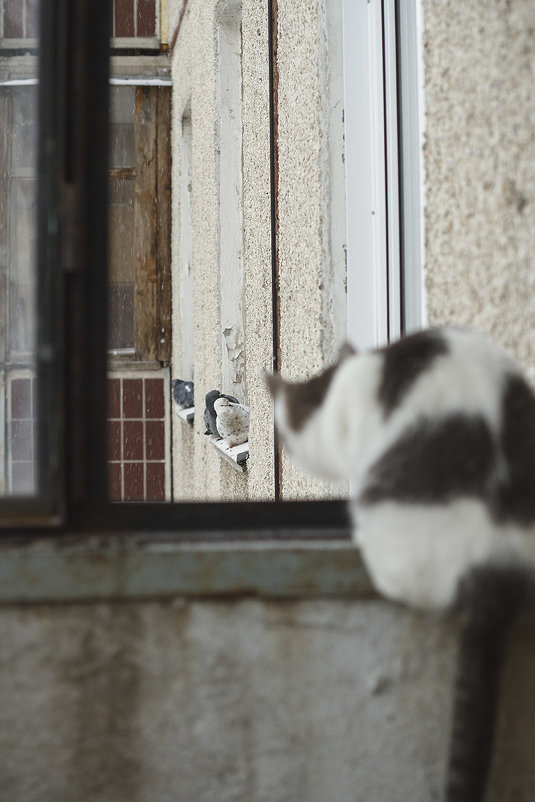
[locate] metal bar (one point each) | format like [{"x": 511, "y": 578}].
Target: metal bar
[
  {"x": 88, "y": 322},
  {"x": 49, "y": 280}
]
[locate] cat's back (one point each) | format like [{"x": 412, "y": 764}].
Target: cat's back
[
  {"x": 444, "y": 371},
  {"x": 454, "y": 473}
]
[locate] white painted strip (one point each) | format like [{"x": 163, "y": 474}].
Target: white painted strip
[
  {"x": 20, "y": 82},
  {"x": 127, "y": 81},
  {"x": 136, "y": 81}
]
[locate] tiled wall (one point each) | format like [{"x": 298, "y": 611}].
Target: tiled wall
[
  {"x": 22, "y": 435},
  {"x": 21, "y": 19},
  {"x": 134, "y": 18},
  {"x": 138, "y": 437}
]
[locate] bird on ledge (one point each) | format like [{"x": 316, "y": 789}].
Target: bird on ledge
[{"x": 232, "y": 421}]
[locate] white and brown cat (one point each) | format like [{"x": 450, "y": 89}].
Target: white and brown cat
[{"x": 436, "y": 433}]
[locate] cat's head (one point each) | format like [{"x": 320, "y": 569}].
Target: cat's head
[{"x": 295, "y": 408}]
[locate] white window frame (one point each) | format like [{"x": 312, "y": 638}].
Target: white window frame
[
  {"x": 230, "y": 161},
  {"x": 381, "y": 303}
]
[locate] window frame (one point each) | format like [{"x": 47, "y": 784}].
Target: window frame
[
  {"x": 73, "y": 186},
  {"x": 128, "y": 550}
]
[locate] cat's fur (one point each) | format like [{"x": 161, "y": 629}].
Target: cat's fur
[{"x": 436, "y": 433}]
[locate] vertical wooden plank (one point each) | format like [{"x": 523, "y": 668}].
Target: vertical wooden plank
[
  {"x": 145, "y": 229},
  {"x": 164, "y": 224},
  {"x": 146, "y": 18}
]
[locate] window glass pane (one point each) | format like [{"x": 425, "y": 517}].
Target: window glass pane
[
  {"x": 18, "y": 240},
  {"x": 121, "y": 263}
]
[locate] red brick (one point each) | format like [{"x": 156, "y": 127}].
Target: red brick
[
  {"x": 155, "y": 440},
  {"x": 132, "y": 398},
  {"x": 114, "y": 440},
  {"x": 133, "y": 481},
  {"x": 132, "y": 440},
  {"x": 114, "y": 398},
  {"x": 21, "y": 398},
  {"x": 146, "y": 18},
  {"x": 13, "y": 19},
  {"x": 124, "y": 17},
  {"x": 155, "y": 481},
  {"x": 114, "y": 481},
  {"x": 154, "y": 401},
  {"x": 32, "y": 18},
  {"x": 21, "y": 440}
]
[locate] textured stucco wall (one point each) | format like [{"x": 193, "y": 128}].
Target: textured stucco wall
[
  {"x": 310, "y": 332},
  {"x": 311, "y": 328},
  {"x": 479, "y": 164},
  {"x": 240, "y": 702},
  {"x": 199, "y": 472}
]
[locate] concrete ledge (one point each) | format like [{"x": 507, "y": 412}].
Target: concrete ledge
[{"x": 117, "y": 568}]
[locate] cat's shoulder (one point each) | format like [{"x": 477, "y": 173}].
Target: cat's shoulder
[{"x": 451, "y": 360}]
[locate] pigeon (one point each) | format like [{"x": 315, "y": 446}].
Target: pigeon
[
  {"x": 209, "y": 412},
  {"x": 183, "y": 393},
  {"x": 232, "y": 421}
]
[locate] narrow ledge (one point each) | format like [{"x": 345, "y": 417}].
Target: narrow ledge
[
  {"x": 186, "y": 414},
  {"x": 115, "y": 568},
  {"x": 236, "y": 456}
]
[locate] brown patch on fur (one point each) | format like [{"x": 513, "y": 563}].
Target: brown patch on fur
[{"x": 303, "y": 398}]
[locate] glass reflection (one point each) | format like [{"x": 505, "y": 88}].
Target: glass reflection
[{"x": 18, "y": 233}]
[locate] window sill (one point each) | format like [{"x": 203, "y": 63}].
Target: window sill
[
  {"x": 186, "y": 414},
  {"x": 236, "y": 456},
  {"x": 92, "y": 568}
]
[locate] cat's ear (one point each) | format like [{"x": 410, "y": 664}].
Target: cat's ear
[
  {"x": 274, "y": 383},
  {"x": 346, "y": 351}
]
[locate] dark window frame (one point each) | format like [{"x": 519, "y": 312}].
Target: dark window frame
[{"x": 72, "y": 358}]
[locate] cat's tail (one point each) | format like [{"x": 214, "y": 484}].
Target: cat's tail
[{"x": 490, "y": 599}]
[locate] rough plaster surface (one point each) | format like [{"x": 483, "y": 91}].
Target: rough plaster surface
[
  {"x": 240, "y": 702},
  {"x": 310, "y": 329},
  {"x": 480, "y": 168},
  {"x": 307, "y": 328},
  {"x": 198, "y": 702},
  {"x": 199, "y": 472}
]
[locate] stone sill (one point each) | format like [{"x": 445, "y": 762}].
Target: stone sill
[
  {"x": 186, "y": 414},
  {"x": 113, "y": 567},
  {"x": 236, "y": 456}
]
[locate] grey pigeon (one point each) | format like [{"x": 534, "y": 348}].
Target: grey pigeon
[
  {"x": 183, "y": 393},
  {"x": 232, "y": 421},
  {"x": 209, "y": 412}
]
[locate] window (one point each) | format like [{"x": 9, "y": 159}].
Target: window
[
  {"x": 139, "y": 224},
  {"x": 383, "y": 248},
  {"x": 135, "y": 23},
  {"x": 19, "y": 21},
  {"x": 18, "y": 287},
  {"x": 77, "y": 399}
]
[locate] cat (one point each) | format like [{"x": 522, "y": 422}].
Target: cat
[{"x": 436, "y": 433}]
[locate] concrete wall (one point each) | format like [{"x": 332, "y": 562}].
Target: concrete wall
[
  {"x": 199, "y": 471},
  {"x": 311, "y": 298},
  {"x": 480, "y": 168},
  {"x": 240, "y": 702}
]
